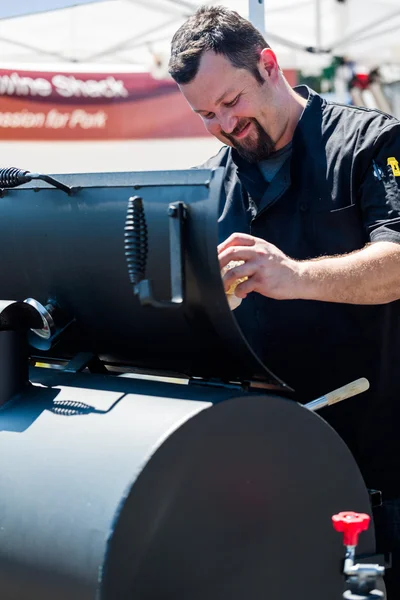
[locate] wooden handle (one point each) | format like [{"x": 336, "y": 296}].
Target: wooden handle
[{"x": 347, "y": 391}]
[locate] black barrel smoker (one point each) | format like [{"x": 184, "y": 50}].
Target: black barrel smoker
[{"x": 155, "y": 457}]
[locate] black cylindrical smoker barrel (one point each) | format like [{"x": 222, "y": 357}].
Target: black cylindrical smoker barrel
[
  {"x": 115, "y": 489},
  {"x": 70, "y": 249}
]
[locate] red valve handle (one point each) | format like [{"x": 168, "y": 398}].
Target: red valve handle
[{"x": 351, "y": 524}]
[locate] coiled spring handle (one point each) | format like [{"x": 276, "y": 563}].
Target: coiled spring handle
[
  {"x": 136, "y": 250},
  {"x": 11, "y": 177}
]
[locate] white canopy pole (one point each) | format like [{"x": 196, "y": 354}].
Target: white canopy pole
[
  {"x": 257, "y": 14},
  {"x": 318, "y": 40}
]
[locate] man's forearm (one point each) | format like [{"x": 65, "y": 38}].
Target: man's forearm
[{"x": 369, "y": 276}]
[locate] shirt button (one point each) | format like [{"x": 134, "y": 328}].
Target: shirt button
[{"x": 303, "y": 206}]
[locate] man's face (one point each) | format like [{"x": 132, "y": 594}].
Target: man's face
[{"x": 236, "y": 108}]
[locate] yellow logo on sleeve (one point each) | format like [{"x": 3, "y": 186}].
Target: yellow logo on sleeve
[{"x": 394, "y": 164}]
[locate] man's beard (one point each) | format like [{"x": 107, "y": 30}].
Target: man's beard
[{"x": 252, "y": 149}]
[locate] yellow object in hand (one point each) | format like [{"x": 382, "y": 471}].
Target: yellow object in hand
[{"x": 233, "y": 300}]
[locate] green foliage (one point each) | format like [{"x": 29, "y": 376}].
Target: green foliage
[
  {"x": 327, "y": 76},
  {"x": 313, "y": 81}
]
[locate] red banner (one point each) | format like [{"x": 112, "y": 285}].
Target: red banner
[{"x": 37, "y": 105}]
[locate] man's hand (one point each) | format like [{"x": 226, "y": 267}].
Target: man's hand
[
  {"x": 270, "y": 272},
  {"x": 370, "y": 275}
]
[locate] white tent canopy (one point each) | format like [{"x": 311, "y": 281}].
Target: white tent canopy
[
  {"x": 127, "y": 35},
  {"x": 131, "y": 32},
  {"x": 26, "y": 7}
]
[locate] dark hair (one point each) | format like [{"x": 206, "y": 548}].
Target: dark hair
[{"x": 218, "y": 29}]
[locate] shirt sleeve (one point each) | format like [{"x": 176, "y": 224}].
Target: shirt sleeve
[{"x": 380, "y": 188}]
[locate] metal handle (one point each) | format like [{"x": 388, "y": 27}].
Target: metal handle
[{"x": 136, "y": 251}]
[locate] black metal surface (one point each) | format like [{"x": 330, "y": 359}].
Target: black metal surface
[
  {"x": 14, "y": 364},
  {"x": 237, "y": 504},
  {"x": 15, "y": 319},
  {"x": 177, "y": 217},
  {"x": 115, "y": 488},
  {"x": 52, "y": 181},
  {"x": 85, "y": 360},
  {"x": 69, "y": 455},
  {"x": 71, "y": 249}
]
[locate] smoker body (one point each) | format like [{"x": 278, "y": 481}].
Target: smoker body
[
  {"x": 114, "y": 487},
  {"x": 118, "y": 488}
]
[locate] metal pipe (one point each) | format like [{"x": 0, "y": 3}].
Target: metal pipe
[
  {"x": 257, "y": 14},
  {"x": 318, "y": 33}
]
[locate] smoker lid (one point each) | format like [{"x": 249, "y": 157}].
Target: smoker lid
[{"x": 71, "y": 250}]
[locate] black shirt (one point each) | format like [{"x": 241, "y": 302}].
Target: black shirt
[{"x": 339, "y": 190}]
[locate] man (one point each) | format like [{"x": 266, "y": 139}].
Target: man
[{"x": 312, "y": 207}]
